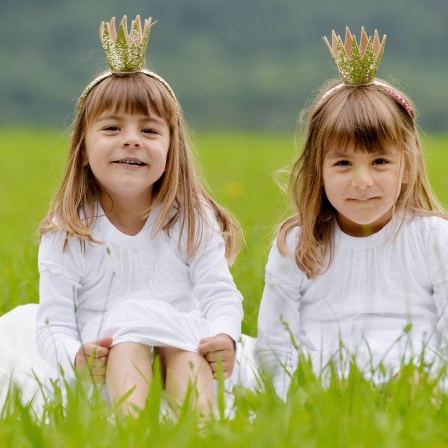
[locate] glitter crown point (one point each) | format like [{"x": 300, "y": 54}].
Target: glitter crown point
[
  {"x": 125, "y": 50},
  {"x": 357, "y": 65}
]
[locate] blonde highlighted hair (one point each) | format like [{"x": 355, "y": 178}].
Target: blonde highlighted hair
[
  {"x": 370, "y": 118},
  {"x": 179, "y": 191}
]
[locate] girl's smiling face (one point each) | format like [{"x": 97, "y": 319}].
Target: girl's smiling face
[
  {"x": 127, "y": 153},
  {"x": 362, "y": 187}
]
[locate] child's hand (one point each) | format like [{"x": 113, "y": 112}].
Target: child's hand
[
  {"x": 219, "y": 347},
  {"x": 91, "y": 359}
]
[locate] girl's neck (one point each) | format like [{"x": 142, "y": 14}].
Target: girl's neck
[
  {"x": 128, "y": 216},
  {"x": 360, "y": 231}
]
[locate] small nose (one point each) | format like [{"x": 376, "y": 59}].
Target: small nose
[
  {"x": 361, "y": 178},
  {"x": 131, "y": 140}
]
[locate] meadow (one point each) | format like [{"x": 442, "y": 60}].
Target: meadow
[{"x": 239, "y": 169}]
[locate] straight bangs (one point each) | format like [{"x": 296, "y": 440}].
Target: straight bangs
[
  {"x": 364, "y": 118},
  {"x": 135, "y": 93}
]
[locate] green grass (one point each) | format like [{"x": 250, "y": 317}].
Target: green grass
[{"x": 239, "y": 170}]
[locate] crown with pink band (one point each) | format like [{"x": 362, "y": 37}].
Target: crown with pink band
[{"x": 358, "y": 65}]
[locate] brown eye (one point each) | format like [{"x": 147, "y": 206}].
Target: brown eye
[
  {"x": 342, "y": 163},
  {"x": 149, "y": 131}
]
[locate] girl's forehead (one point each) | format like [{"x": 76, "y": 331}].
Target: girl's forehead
[
  {"x": 122, "y": 96},
  {"x": 346, "y": 147},
  {"x": 352, "y": 152},
  {"x": 119, "y": 111},
  {"x": 128, "y": 107}
]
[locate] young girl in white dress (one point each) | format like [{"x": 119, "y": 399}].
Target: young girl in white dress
[
  {"x": 360, "y": 270},
  {"x": 134, "y": 253}
]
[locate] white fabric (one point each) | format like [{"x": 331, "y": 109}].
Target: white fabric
[
  {"x": 20, "y": 363},
  {"x": 128, "y": 321},
  {"x": 138, "y": 278},
  {"x": 374, "y": 288},
  {"x": 22, "y": 366}
]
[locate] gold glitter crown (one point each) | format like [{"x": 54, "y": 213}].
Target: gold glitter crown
[
  {"x": 356, "y": 65},
  {"x": 125, "y": 52}
]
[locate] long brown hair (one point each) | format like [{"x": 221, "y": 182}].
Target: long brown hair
[
  {"x": 370, "y": 119},
  {"x": 179, "y": 191}
]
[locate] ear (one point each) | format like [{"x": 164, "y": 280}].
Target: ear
[
  {"x": 405, "y": 178},
  {"x": 84, "y": 159}
]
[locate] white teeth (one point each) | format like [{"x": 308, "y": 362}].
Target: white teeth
[{"x": 131, "y": 162}]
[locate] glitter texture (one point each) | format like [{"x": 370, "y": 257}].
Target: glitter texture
[
  {"x": 125, "y": 51},
  {"x": 356, "y": 65}
]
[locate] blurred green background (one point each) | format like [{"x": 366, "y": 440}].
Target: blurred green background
[{"x": 234, "y": 64}]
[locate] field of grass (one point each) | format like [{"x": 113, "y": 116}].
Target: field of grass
[{"x": 239, "y": 170}]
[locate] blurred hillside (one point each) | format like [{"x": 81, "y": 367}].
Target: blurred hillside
[{"x": 247, "y": 64}]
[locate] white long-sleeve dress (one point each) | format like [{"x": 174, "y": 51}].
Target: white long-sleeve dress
[
  {"x": 133, "y": 288},
  {"x": 136, "y": 288},
  {"x": 384, "y": 299}
]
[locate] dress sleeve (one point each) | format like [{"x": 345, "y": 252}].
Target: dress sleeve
[
  {"x": 60, "y": 272},
  {"x": 437, "y": 248},
  {"x": 279, "y": 319},
  {"x": 219, "y": 300}
]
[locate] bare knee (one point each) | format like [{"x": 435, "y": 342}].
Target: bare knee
[
  {"x": 188, "y": 372},
  {"x": 129, "y": 368}
]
